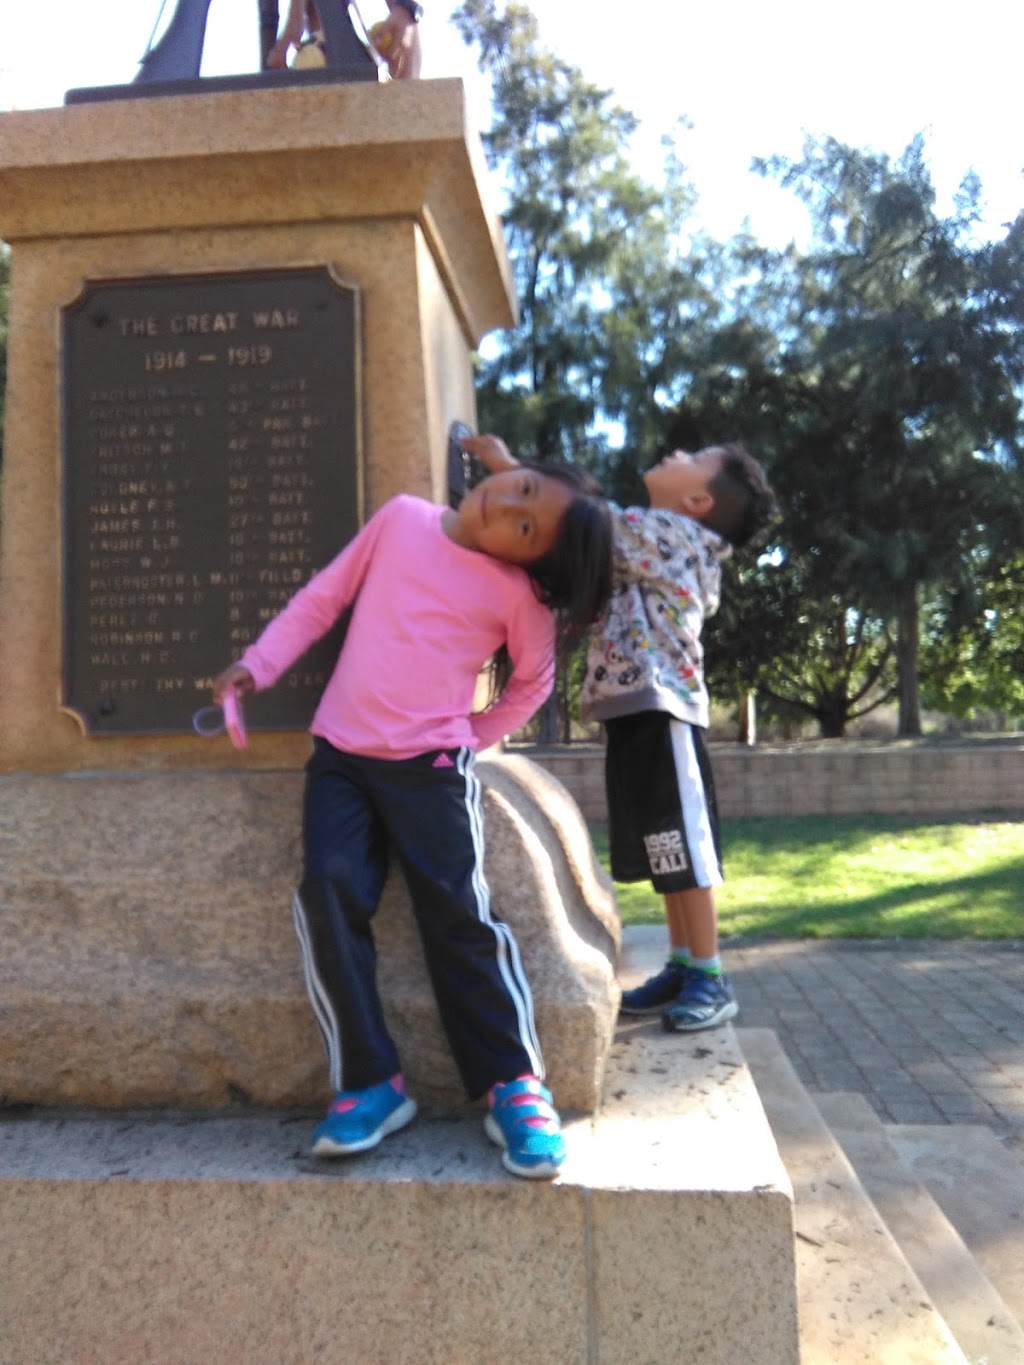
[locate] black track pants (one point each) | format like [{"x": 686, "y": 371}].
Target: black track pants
[{"x": 428, "y": 809}]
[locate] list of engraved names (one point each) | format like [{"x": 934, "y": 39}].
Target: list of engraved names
[{"x": 210, "y": 467}]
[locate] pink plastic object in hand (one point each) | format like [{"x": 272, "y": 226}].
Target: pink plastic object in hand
[{"x": 233, "y": 721}]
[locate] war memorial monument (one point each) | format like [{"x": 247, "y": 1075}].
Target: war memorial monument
[{"x": 243, "y": 314}]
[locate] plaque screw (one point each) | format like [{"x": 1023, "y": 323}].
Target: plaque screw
[{"x": 107, "y": 707}]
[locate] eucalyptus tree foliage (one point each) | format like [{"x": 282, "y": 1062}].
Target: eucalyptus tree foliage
[
  {"x": 974, "y": 657},
  {"x": 602, "y": 273},
  {"x": 909, "y": 478},
  {"x": 791, "y": 627},
  {"x": 591, "y": 244},
  {"x": 877, "y": 375},
  {"x": 889, "y": 414}
]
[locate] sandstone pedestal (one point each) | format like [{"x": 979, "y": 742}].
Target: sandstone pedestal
[
  {"x": 149, "y": 955},
  {"x": 384, "y": 185},
  {"x": 668, "y": 1236},
  {"x": 146, "y": 880}
]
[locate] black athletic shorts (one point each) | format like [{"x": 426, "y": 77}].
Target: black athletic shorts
[{"x": 662, "y": 814}]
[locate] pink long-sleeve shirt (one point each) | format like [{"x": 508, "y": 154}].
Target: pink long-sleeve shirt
[{"x": 428, "y": 616}]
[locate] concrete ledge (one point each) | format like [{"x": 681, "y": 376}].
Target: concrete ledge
[
  {"x": 979, "y": 1186},
  {"x": 976, "y": 1314},
  {"x": 135, "y": 1238},
  {"x": 859, "y": 1298}
]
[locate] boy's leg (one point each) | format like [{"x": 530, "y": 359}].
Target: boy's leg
[
  {"x": 678, "y": 933},
  {"x": 693, "y": 923},
  {"x": 646, "y": 838},
  {"x": 633, "y": 744},
  {"x": 661, "y": 792},
  {"x": 346, "y": 851},
  {"x": 705, "y": 998}
]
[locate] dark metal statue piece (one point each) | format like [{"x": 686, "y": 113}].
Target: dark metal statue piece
[
  {"x": 464, "y": 470},
  {"x": 172, "y": 65}
]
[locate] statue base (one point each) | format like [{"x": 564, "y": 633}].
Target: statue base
[
  {"x": 176, "y": 1239},
  {"x": 150, "y": 960}
]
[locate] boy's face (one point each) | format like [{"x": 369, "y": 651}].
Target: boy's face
[{"x": 682, "y": 482}]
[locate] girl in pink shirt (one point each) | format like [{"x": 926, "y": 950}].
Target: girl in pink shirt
[{"x": 437, "y": 592}]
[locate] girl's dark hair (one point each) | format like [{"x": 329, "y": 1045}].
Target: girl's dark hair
[{"x": 574, "y": 578}]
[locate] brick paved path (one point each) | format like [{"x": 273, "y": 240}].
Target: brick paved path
[{"x": 928, "y": 1031}]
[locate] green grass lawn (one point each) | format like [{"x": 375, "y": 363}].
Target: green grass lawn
[{"x": 869, "y": 876}]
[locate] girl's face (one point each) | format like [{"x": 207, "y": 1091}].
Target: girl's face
[{"x": 514, "y": 515}]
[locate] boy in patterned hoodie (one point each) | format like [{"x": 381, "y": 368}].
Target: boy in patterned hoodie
[{"x": 645, "y": 683}]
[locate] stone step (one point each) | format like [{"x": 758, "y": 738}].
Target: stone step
[
  {"x": 979, "y": 1186},
  {"x": 860, "y": 1300},
  {"x": 975, "y": 1312},
  {"x": 177, "y": 1239}
]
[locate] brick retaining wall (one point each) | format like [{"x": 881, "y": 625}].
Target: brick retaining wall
[{"x": 845, "y": 778}]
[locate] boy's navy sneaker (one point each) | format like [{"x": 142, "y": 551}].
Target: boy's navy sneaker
[
  {"x": 703, "y": 1002},
  {"x": 359, "y": 1119},
  {"x": 655, "y": 993},
  {"x": 523, "y": 1121}
]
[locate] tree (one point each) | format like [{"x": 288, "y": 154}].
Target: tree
[
  {"x": 877, "y": 374},
  {"x": 909, "y": 330},
  {"x": 574, "y": 211},
  {"x": 887, "y": 406},
  {"x": 582, "y": 230},
  {"x": 973, "y": 645}
]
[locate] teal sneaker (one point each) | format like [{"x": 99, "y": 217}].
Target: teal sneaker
[
  {"x": 359, "y": 1119},
  {"x": 523, "y": 1121}
]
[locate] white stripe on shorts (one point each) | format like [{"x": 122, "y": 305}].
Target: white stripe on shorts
[{"x": 707, "y": 869}]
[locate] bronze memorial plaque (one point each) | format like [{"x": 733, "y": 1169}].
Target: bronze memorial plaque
[{"x": 211, "y": 466}]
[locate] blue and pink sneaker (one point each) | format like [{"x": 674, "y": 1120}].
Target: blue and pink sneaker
[
  {"x": 523, "y": 1121},
  {"x": 359, "y": 1119}
]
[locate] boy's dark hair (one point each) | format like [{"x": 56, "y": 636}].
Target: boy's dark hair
[
  {"x": 743, "y": 500},
  {"x": 574, "y": 578}
]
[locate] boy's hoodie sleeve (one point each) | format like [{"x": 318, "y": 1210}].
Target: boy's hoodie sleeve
[{"x": 313, "y": 609}]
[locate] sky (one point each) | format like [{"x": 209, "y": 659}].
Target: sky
[{"x": 753, "y": 78}]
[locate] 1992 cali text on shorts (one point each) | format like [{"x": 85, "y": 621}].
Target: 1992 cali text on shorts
[{"x": 662, "y": 813}]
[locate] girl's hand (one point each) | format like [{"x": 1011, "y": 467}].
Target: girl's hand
[
  {"x": 491, "y": 451},
  {"x": 233, "y": 679}
]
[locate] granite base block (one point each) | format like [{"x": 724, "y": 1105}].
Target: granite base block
[
  {"x": 174, "y": 1238},
  {"x": 150, "y": 959}
]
